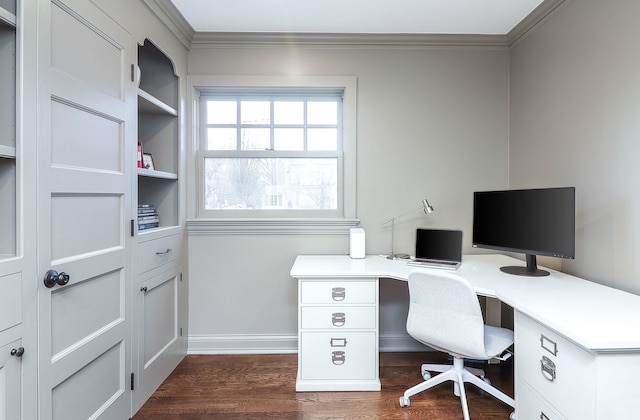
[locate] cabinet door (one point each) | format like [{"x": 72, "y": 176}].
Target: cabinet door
[
  {"x": 159, "y": 333},
  {"x": 84, "y": 190},
  {"x": 10, "y": 382}
]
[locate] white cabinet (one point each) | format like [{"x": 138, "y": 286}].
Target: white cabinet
[
  {"x": 159, "y": 332},
  {"x": 560, "y": 372},
  {"x": 558, "y": 379},
  {"x": 12, "y": 263},
  {"x": 338, "y": 335},
  {"x": 159, "y": 292}
]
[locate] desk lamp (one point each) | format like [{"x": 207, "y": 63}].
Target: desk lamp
[{"x": 426, "y": 207}]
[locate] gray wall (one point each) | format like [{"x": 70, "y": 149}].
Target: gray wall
[
  {"x": 432, "y": 122},
  {"x": 575, "y": 120}
]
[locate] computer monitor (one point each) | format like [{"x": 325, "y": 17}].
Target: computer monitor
[{"x": 529, "y": 221}]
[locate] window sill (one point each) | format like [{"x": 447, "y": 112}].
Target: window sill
[{"x": 229, "y": 226}]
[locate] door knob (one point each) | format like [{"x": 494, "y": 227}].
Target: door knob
[
  {"x": 17, "y": 352},
  {"x": 52, "y": 278}
]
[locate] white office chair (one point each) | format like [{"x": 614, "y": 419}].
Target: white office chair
[{"x": 444, "y": 314}]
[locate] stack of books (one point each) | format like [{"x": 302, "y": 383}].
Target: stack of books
[{"x": 147, "y": 217}]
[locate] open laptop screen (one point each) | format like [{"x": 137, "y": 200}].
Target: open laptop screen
[{"x": 439, "y": 245}]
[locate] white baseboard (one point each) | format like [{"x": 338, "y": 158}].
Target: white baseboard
[
  {"x": 275, "y": 344},
  {"x": 242, "y": 344}
]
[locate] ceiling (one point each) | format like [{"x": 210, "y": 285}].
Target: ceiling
[{"x": 484, "y": 17}]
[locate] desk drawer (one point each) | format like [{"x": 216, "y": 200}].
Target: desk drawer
[
  {"x": 338, "y": 356},
  {"x": 341, "y": 317},
  {"x": 157, "y": 252},
  {"x": 530, "y": 407},
  {"x": 561, "y": 372},
  {"x": 336, "y": 291}
]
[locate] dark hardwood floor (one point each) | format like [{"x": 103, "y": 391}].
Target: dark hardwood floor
[{"x": 263, "y": 387}]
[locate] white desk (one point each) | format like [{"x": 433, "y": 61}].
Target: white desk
[{"x": 589, "y": 333}]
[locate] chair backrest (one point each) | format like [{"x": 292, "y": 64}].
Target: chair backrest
[{"x": 444, "y": 313}]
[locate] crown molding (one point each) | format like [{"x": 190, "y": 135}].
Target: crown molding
[
  {"x": 171, "y": 17},
  {"x": 264, "y": 39},
  {"x": 167, "y": 12},
  {"x": 538, "y": 16}
]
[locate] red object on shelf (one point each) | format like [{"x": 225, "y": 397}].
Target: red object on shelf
[{"x": 140, "y": 165}]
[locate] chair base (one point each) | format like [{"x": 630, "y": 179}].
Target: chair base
[{"x": 459, "y": 374}]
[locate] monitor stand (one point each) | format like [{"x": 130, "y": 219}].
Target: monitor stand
[{"x": 530, "y": 270}]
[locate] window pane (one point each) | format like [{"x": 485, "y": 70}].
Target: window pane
[
  {"x": 288, "y": 112},
  {"x": 255, "y": 112},
  {"x": 322, "y": 139},
  {"x": 222, "y": 139},
  {"x": 288, "y": 139},
  {"x": 256, "y": 138},
  {"x": 322, "y": 113},
  {"x": 253, "y": 183},
  {"x": 222, "y": 112}
]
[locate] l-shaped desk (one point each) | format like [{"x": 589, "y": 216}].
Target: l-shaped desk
[{"x": 577, "y": 343}]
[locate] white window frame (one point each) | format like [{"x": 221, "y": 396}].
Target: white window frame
[{"x": 343, "y": 217}]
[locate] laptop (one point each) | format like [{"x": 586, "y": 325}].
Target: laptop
[{"x": 437, "y": 248}]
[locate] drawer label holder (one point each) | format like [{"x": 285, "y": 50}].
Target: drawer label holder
[
  {"x": 549, "y": 345},
  {"x": 338, "y": 342}
]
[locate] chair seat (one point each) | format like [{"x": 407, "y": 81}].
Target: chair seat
[{"x": 496, "y": 340}]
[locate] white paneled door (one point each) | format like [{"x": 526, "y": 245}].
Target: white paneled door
[{"x": 84, "y": 213}]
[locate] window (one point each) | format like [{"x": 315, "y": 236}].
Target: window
[{"x": 274, "y": 151}]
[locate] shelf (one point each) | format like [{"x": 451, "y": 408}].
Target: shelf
[
  {"x": 160, "y": 231},
  {"x": 149, "y": 104},
  {"x": 7, "y": 152},
  {"x": 157, "y": 174},
  {"x": 7, "y": 18},
  {"x": 158, "y": 133}
]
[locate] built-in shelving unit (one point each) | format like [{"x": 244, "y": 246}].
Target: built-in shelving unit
[
  {"x": 13, "y": 269},
  {"x": 158, "y": 133},
  {"x": 8, "y": 132},
  {"x": 159, "y": 346}
]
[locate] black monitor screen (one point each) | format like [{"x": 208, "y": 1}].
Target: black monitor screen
[{"x": 532, "y": 221}]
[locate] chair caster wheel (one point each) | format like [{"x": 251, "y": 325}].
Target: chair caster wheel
[
  {"x": 512, "y": 416},
  {"x": 426, "y": 375},
  {"x": 404, "y": 401}
]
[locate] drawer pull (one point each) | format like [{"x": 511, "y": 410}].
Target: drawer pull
[
  {"x": 338, "y": 294},
  {"x": 548, "y": 368},
  {"x": 544, "y": 416},
  {"x": 338, "y": 342},
  {"x": 164, "y": 252},
  {"x": 338, "y": 319},
  {"x": 338, "y": 357},
  {"x": 548, "y": 345}
]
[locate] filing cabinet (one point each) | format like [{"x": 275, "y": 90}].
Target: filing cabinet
[
  {"x": 557, "y": 373},
  {"x": 338, "y": 335}
]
